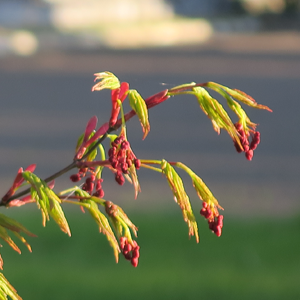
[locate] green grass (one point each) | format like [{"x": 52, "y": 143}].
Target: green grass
[{"x": 254, "y": 259}]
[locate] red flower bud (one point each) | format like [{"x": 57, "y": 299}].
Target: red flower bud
[
  {"x": 203, "y": 212},
  {"x": 218, "y": 231},
  {"x": 249, "y": 154},
  {"x": 124, "y": 168},
  {"x": 112, "y": 151},
  {"x": 75, "y": 177},
  {"x": 99, "y": 193},
  {"x": 137, "y": 163},
  {"x": 220, "y": 221},
  {"x": 125, "y": 145},
  {"x": 211, "y": 225},
  {"x": 127, "y": 248},
  {"x": 136, "y": 252},
  {"x": 123, "y": 241},
  {"x": 135, "y": 261},
  {"x": 119, "y": 178}
]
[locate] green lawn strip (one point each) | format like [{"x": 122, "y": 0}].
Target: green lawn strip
[{"x": 253, "y": 258}]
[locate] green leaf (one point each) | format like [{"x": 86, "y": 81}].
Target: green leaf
[
  {"x": 38, "y": 193},
  {"x": 138, "y": 104},
  {"x": 236, "y": 108},
  {"x": 13, "y": 225},
  {"x": 180, "y": 197},
  {"x": 56, "y": 211},
  {"x": 79, "y": 142},
  {"x": 6, "y": 289},
  {"x": 104, "y": 226},
  {"x": 16, "y": 228},
  {"x": 4, "y": 235},
  {"x": 107, "y": 81},
  {"x": 237, "y": 94},
  {"x": 124, "y": 222},
  {"x": 47, "y": 201},
  {"x": 215, "y": 111}
]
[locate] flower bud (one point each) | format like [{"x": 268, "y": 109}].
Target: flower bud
[
  {"x": 123, "y": 241},
  {"x": 125, "y": 145},
  {"x": 137, "y": 163},
  {"x": 218, "y": 231},
  {"x": 75, "y": 177},
  {"x": 127, "y": 248},
  {"x": 112, "y": 151},
  {"x": 119, "y": 178},
  {"x": 135, "y": 261},
  {"x": 136, "y": 252},
  {"x": 249, "y": 154}
]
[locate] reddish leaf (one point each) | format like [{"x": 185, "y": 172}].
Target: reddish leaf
[{"x": 90, "y": 127}]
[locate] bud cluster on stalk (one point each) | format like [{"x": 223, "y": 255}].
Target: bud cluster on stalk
[
  {"x": 247, "y": 147},
  {"x": 131, "y": 251},
  {"x": 122, "y": 158},
  {"x": 92, "y": 184},
  {"x": 215, "y": 221}
]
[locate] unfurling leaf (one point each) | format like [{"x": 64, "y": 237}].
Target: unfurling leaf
[
  {"x": 4, "y": 235},
  {"x": 90, "y": 127},
  {"x": 18, "y": 181},
  {"x": 237, "y": 94},
  {"x": 47, "y": 201},
  {"x": 120, "y": 220},
  {"x": 215, "y": 111},
  {"x": 108, "y": 81},
  {"x": 138, "y": 104},
  {"x": 180, "y": 197},
  {"x": 16, "y": 228},
  {"x": 56, "y": 211},
  {"x": 13, "y": 225},
  {"x": 103, "y": 224},
  {"x": 201, "y": 188},
  {"x": 135, "y": 181},
  {"x": 7, "y": 290}
]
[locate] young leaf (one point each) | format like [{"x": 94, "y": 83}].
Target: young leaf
[
  {"x": 101, "y": 131},
  {"x": 4, "y": 235},
  {"x": 48, "y": 201},
  {"x": 13, "y": 225},
  {"x": 120, "y": 220},
  {"x": 139, "y": 106},
  {"x": 56, "y": 211},
  {"x": 90, "y": 127},
  {"x": 104, "y": 226},
  {"x": 180, "y": 197},
  {"x": 107, "y": 81},
  {"x": 201, "y": 188},
  {"x": 237, "y": 109},
  {"x": 38, "y": 193},
  {"x": 237, "y": 94},
  {"x": 215, "y": 111},
  {"x": 7, "y": 290},
  {"x": 135, "y": 181}
]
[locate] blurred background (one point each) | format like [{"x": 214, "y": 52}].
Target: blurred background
[{"x": 49, "y": 51}]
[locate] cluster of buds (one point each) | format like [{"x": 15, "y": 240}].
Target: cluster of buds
[
  {"x": 215, "y": 221},
  {"x": 121, "y": 158},
  {"x": 131, "y": 251},
  {"x": 247, "y": 147},
  {"x": 92, "y": 185}
]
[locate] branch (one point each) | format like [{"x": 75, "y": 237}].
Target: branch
[{"x": 151, "y": 101}]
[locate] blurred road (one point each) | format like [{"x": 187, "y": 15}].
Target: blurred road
[{"x": 46, "y": 102}]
